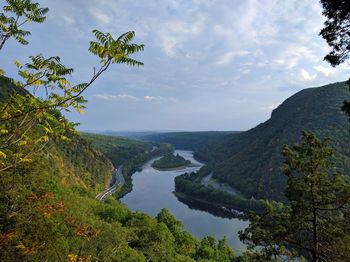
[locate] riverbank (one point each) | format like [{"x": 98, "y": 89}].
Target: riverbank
[
  {"x": 153, "y": 190},
  {"x": 174, "y": 168},
  {"x": 116, "y": 182},
  {"x": 171, "y": 162},
  {"x": 191, "y": 185},
  {"x": 135, "y": 164},
  {"x": 210, "y": 181},
  {"x": 215, "y": 208}
]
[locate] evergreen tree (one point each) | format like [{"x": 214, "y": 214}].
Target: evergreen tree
[
  {"x": 313, "y": 222},
  {"x": 317, "y": 196}
]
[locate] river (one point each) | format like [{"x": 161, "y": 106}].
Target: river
[{"x": 153, "y": 190}]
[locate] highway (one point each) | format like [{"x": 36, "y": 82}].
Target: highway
[{"x": 119, "y": 181}]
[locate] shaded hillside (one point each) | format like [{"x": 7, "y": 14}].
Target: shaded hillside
[
  {"x": 118, "y": 149},
  {"x": 130, "y": 153},
  {"x": 85, "y": 163},
  {"x": 128, "y": 134},
  {"x": 188, "y": 140},
  {"x": 5, "y": 88},
  {"x": 251, "y": 161},
  {"x": 49, "y": 211}
]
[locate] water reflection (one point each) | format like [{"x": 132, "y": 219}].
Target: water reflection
[{"x": 153, "y": 190}]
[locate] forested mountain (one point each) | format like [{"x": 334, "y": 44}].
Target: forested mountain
[
  {"x": 49, "y": 212},
  {"x": 118, "y": 149},
  {"x": 130, "y": 153},
  {"x": 251, "y": 161},
  {"x": 188, "y": 140},
  {"x": 128, "y": 134}
]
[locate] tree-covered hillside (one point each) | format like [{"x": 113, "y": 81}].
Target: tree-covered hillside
[
  {"x": 188, "y": 140},
  {"x": 117, "y": 149},
  {"x": 251, "y": 161},
  {"x": 49, "y": 211},
  {"x": 130, "y": 153},
  {"x": 171, "y": 161},
  {"x": 49, "y": 175}
]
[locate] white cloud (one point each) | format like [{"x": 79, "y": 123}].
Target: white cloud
[
  {"x": 246, "y": 71},
  {"x": 326, "y": 71},
  {"x": 69, "y": 20},
  {"x": 228, "y": 57},
  {"x": 101, "y": 17},
  {"x": 159, "y": 99},
  {"x": 269, "y": 107},
  {"x": 175, "y": 33},
  {"x": 210, "y": 43},
  {"x": 130, "y": 98},
  {"x": 121, "y": 97},
  {"x": 293, "y": 54},
  {"x": 306, "y": 76},
  {"x": 169, "y": 45}
]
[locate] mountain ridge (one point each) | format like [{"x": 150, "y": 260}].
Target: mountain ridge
[{"x": 251, "y": 161}]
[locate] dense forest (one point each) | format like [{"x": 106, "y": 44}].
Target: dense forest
[
  {"x": 170, "y": 161},
  {"x": 132, "y": 154},
  {"x": 251, "y": 161},
  {"x": 188, "y": 140},
  {"x": 117, "y": 149},
  {"x": 50, "y": 176},
  {"x": 60, "y": 219},
  {"x": 189, "y": 186}
]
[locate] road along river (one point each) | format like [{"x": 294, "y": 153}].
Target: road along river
[
  {"x": 153, "y": 190},
  {"x": 118, "y": 182}
]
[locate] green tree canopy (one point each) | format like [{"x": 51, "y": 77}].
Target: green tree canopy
[
  {"x": 37, "y": 100},
  {"x": 336, "y": 30},
  {"x": 16, "y": 14},
  {"x": 313, "y": 223}
]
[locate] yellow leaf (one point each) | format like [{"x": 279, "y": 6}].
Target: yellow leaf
[
  {"x": 2, "y": 154},
  {"x": 21, "y": 246},
  {"x": 64, "y": 138},
  {"x": 64, "y": 82},
  {"x": 44, "y": 138},
  {"x": 3, "y": 131},
  {"x": 80, "y": 110},
  {"x": 22, "y": 143},
  {"x": 37, "y": 82},
  {"x": 26, "y": 160},
  {"x": 18, "y": 64},
  {"x": 2, "y": 72}
]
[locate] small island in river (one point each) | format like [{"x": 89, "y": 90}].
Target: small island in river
[{"x": 170, "y": 162}]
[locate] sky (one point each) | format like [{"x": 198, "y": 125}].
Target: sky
[{"x": 209, "y": 65}]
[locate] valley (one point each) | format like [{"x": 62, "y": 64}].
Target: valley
[
  {"x": 153, "y": 190},
  {"x": 219, "y": 132},
  {"x": 251, "y": 161},
  {"x": 199, "y": 193}
]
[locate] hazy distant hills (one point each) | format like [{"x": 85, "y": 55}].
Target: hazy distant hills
[
  {"x": 189, "y": 140},
  {"x": 126, "y": 134},
  {"x": 251, "y": 161}
]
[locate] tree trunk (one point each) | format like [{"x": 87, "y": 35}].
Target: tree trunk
[{"x": 315, "y": 238}]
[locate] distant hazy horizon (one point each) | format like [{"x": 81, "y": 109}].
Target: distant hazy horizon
[{"x": 152, "y": 131}]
